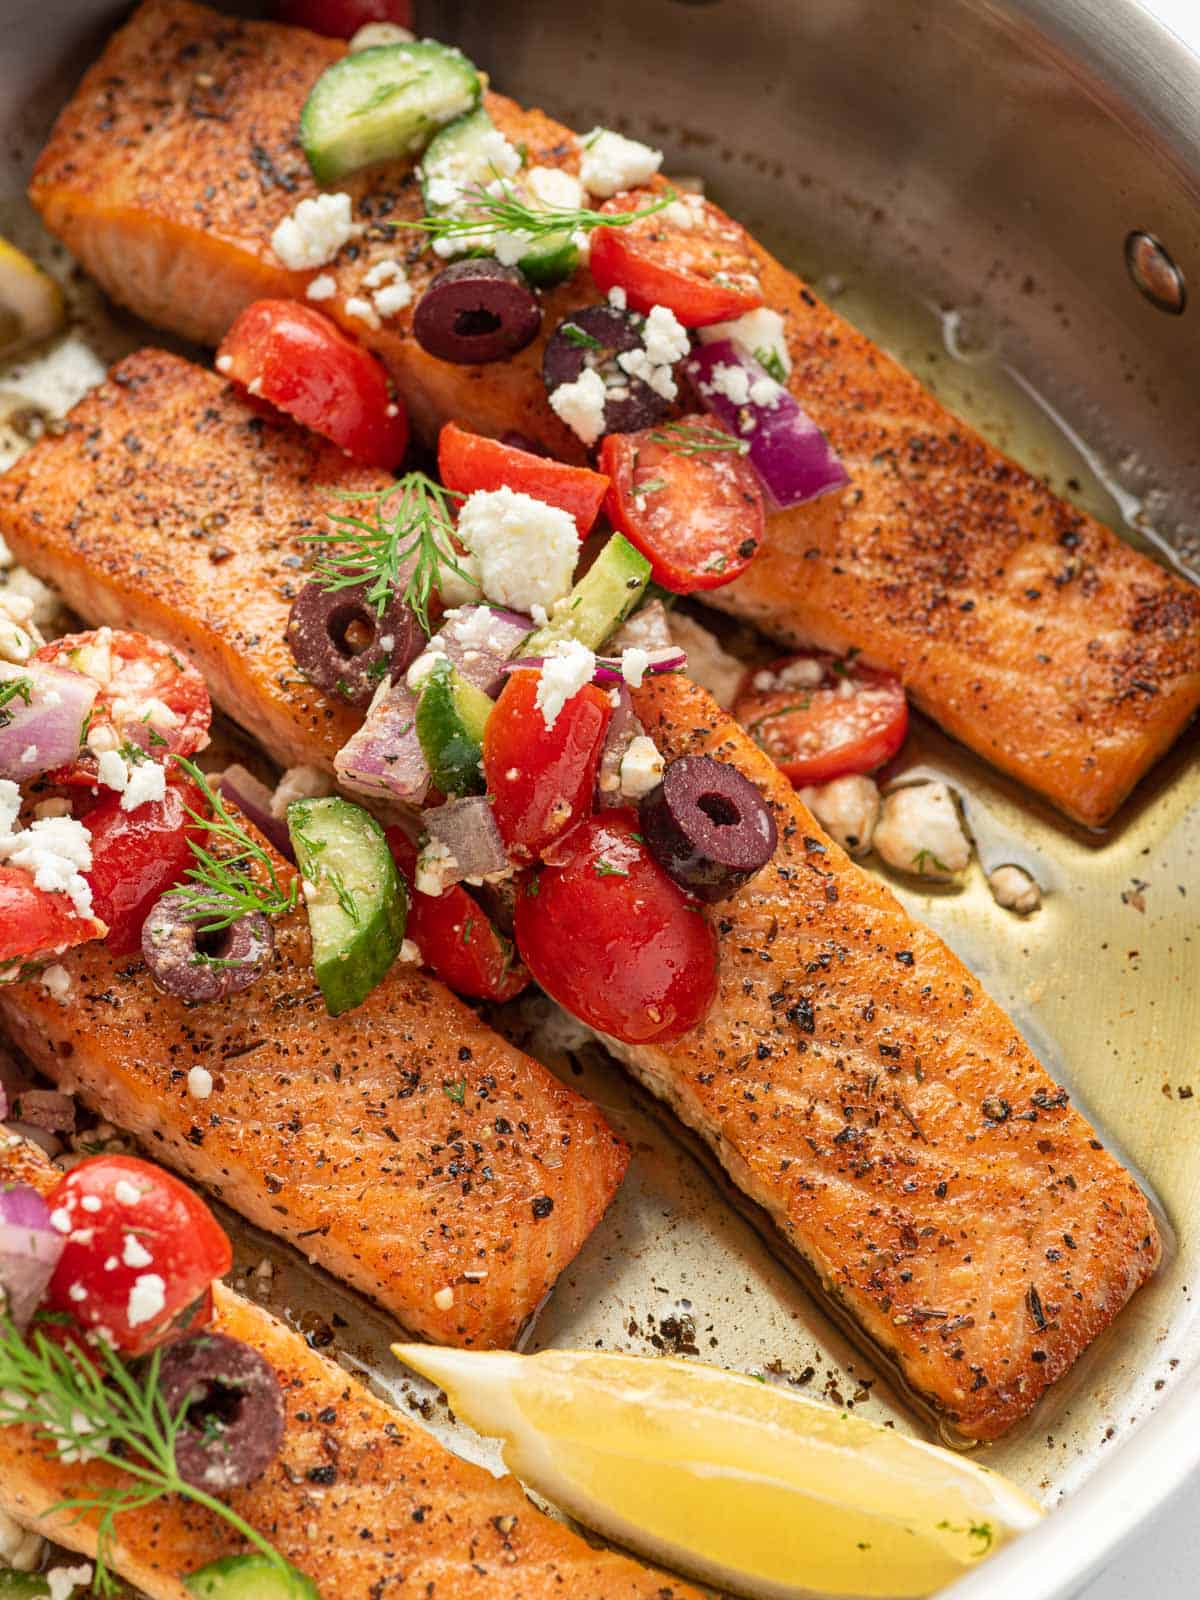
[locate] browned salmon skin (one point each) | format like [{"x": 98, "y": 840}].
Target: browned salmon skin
[
  {"x": 1023, "y": 627},
  {"x": 368, "y": 1505},
  {"x": 855, "y": 1080},
  {"x": 404, "y": 1145}
]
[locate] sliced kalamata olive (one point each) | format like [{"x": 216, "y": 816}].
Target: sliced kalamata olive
[
  {"x": 234, "y": 1422},
  {"x": 708, "y": 827},
  {"x": 595, "y": 337},
  {"x": 477, "y": 311},
  {"x": 193, "y": 964},
  {"x": 342, "y": 644}
]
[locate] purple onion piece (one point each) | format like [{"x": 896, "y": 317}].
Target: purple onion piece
[
  {"x": 468, "y": 829},
  {"x": 623, "y": 729},
  {"x": 789, "y": 452},
  {"x": 253, "y": 800},
  {"x": 384, "y": 758},
  {"x": 30, "y": 1249},
  {"x": 37, "y": 736},
  {"x": 479, "y": 651}
]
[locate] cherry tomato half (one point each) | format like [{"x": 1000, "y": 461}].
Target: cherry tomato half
[
  {"x": 693, "y": 509},
  {"x": 301, "y": 362},
  {"x": 609, "y": 936},
  {"x": 703, "y": 269},
  {"x": 140, "y": 1249},
  {"x": 819, "y": 717},
  {"x": 149, "y": 697},
  {"x": 542, "y": 779},
  {"x": 341, "y": 19},
  {"x": 35, "y": 923},
  {"x": 468, "y": 461},
  {"x": 136, "y": 857},
  {"x": 456, "y": 937}
]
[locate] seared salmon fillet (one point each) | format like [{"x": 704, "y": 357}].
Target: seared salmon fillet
[
  {"x": 1023, "y": 627},
  {"x": 856, "y": 1082},
  {"x": 404, "y": 1146},
  {"x": 358, "y": 1498}
]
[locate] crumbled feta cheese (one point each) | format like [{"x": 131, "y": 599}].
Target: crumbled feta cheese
[
  {"x": 457, "y": 589},
  {"x": 437, "y": 869},
  {"x": 77, "y": 1293},
  {"x": 642, "y": 767},
  {"x": 55, "y": 850},
  {"x": 730, "y": 381},
  {"x": 444, "y": 1299},
  {"x": 609, "y": 162},
  {"x": 323, "y": 287},
  {"x": 664, "y": 342},
  {"x": 1014, "y": 889},
  {"x": 920, "y": 831},
  {"x": 372, "y": 34},
  {"x": 10, "y": 805},
  {"x": 147, "y": 1299},
  {"x": 563, "y": 674},
  {"x": 56, "y": 981},
  {"x": 20, "y": 1549},
  {"x": 200, "y": 1083},
  {"x": 315, "y": 231},
  {"x": 134, "y": 1252},
  {"x": 362, "y": 311},
  {"x": 760, "y": 334},
  {"x": 489, "y": 159},
  {"x": 126, "y": 1193},
  {"x": 765, "y": 393},
  {"x": 29, "y": 755},
  {"x": 112, "y": 771},
  {"x": 62, "y": 1582},
  {"x": 147, "y": 782},
  {"x": 19, "y": 636},
  {"x": 391, "y": 288},
  {"x": 617, "y": 298},
  {"x": 848, "y": 809},
  {"x": 581, "y": 404},
  {"x": 554, "y": 189},
  {"x": 300, "y": 783},
  {"x": 634, "y": 661},
  {"x": 526, "y": 550},
  {"x": 410, "y": 953}
]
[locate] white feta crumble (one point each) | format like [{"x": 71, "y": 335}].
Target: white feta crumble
[
  {"x": 147, "y": 1299},
  {"x": 300, "y": 783},
  {"x": 20, "y": 1549},
  {"x": 581, "y": 405},
  {"x": 200, "y": 1083},
  {"x": 416, "y": 675},
  {"x": 134, "y": 1252},
  {"x": 609, "y": 162},
  {"x": 372, "y": 34},
  {"x": 147, "y": 782},
  {"x": 460, "y": 588},
  {"x": 920, "y": 831},
  {"x": 112, "y": 771},
  {"x": 765, "y": 393},
  {"x": 314, "y": 232},
  {"x": 77, "y": 1293},
  {"x": 1014, "y": 889},
  {"x": 391, "y": 290},
  {"x": 62, "y": 1582},
  {"x": 526, "y": 550},
  {"x": 617, "y": 298},
  {"x": 126, "y": 1193},
  {"x": 55, "y": 850},
  {"x": 848, "y": 810},
  {"x": 554, "y": 189},
  {"x": 56, "y": 981},
  {"x": 664, "y": 342},
  {"x": 489, "y": 159},
  {"x": 564, "y": 672},
  {"x": 437, "y": 869},
  {"x": 224, "y": 363},
  {"x": 323, "y": 287},
  {"x": 642, "y": 767},
  {"x": 19, "y": 636},
  {"x": 730, "y": 381},
  {"x": 362, "y": 311},
  {"x": 761, "y": 334},
  {"x": 10, "y": 805},
  {"x": 634, "y": 661},
  {"x": 92, "y": 1203},
  {"x": 410, "y": 953}
]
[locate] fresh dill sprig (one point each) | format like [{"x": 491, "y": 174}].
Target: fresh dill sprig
[
  {"x": 484, "y": 209},
  {"x": 402, "y": 551},
  {"x": 695, "y": 439},
  {"x": 222, "y": 887},
  {"x": 97, "y": 1410},
  {"x": 13, "y": 689}
]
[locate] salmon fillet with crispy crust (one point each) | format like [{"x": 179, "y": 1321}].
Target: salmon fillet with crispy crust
[
  {"x": 404, "y": 1146},
  {"x": 857, "y": 1083},
  {"x": 359, "y": 1498},
  {"x": 1024, "y": 628}
]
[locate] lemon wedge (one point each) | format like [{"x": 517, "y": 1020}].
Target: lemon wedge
[
  {"x": 31, "y": 303},
  {"x": 742, "y": 1485}
]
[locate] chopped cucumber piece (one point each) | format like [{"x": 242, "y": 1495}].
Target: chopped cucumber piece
[
  {"x": 249, "y": 1578},
  {"x": 598, "y": 603},
  {"x": 451, "y": 717},
  {"x": 383, "y": 103},
  {"x": 551, "y": 260},
  {"x": 22, "y": 1586},
  {"x": 357, "y": 902}
]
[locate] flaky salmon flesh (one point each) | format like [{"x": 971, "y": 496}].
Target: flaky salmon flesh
[
  {"x": 1023, "y": 627},
  {"x": 405, "y": 1145},
  {"x": 367, "y": 1504}
]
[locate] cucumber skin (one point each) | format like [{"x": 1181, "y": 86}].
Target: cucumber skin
[
  {"x": 453, "y": 746},
  {"x": 620, "y": 564},
  {"x": 22, "y": 1586},
  {"x": 348, "y": 973},
  {"x": 249, "y": 1578}
]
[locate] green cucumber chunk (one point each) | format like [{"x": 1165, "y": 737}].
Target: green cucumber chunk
[
  {"x": 357, "y": 902},
  {"x": 451, "y": 717},
  {"x": 551, "y": 260},
  {"x": 599, "y": 602},
  {"x": 22, "y": 1586},
  {"x": 382, "y": 104},
  {"x": 249, "y": 1578}
]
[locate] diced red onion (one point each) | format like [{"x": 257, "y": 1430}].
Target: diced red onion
[
  {"x": 791, "y": 455},
  {"x": 608, "y": 668},
  {"x": 384, "y": 758},
  {"x": 482, "y": 663},
  {"x": 47, "y": 1109},
  {"x": 468, "y": 830},
  {"x": 44, "y": 734},
  {"x": 623, "y": 729},
  {"x": 30, "y": 1249},
  {"x": 253, "y": 799}
]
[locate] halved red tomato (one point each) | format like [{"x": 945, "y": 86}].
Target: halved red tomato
[
  {"x": 37, "y": 923},
  {"x": 136, "y": 857},
  {"x": 298, "y": 360},
  {"x": 821, "y": 717},
  {"x": 341, "y": 19},
  {"x": 695, "y": 260},
  {"x": 149, "y": 697},
  {"x": 686, "y": 496},
  {"x": 468, "y": 461},
  {"x": 609, "y": 936}
]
